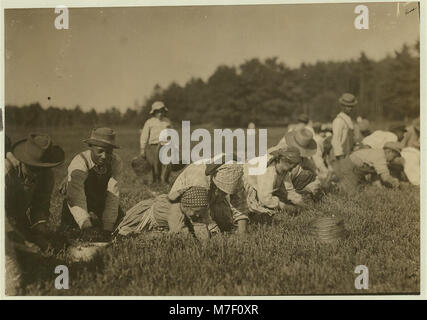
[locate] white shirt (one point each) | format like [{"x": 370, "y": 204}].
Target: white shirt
[
  {"x": 412, "y": 164},
  {"x": 379, "y": 138},
  {"x": 340, "y": 128}
]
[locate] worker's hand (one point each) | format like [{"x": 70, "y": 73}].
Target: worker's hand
[
  {"x": 394, "y": 182},
  {"x": 142, "y": 154},
  {"x": 282, "y": 206}
]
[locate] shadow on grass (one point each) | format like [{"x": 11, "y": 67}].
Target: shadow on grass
[{"x": 38, "y": 269}]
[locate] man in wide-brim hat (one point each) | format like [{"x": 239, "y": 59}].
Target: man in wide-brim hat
[
  {"x": 29, "y": 182},
  {"x": 91, "y": 190}
]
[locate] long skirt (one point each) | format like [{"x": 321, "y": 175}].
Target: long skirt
[
  {"x": 138, "y": 218},
  {"x": 160, "y": 171}
]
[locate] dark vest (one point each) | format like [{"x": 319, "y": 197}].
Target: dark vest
[{"x": 96, "y": 187}]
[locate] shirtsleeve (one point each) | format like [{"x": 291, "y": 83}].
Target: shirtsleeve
[
  {"x": 337, "y": 137},
  {"x": 145, "y": 135},
  {"x": 265, "y": 189}
]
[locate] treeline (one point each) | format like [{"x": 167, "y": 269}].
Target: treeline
[{"x": 265, "y": 92}]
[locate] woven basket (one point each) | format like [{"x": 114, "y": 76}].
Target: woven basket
[
  {"x": 328, "y": 229},
  {"x": 140, "y": 166}
]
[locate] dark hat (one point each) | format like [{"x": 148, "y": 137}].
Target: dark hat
[
  {"x": 303, "y": 118},
  {"x": 303, "y": 140},
  {"x": 347, "y": 99},
  {"x": 102, "y": 137},
  {"x": 38, "y": 151},
  {"x": 317, "y": 125}
]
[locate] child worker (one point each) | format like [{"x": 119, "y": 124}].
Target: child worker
[
  {"x": 150, "y": 144},
  {"x": 178, "y": 216},
  {"x": 273, "y": 191},
  {"x": 227, "y": 197}
]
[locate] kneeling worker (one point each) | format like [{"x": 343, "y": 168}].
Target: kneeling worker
[
  {"x": 353, "y": 169},
  {"x": 92, "y": 194}
]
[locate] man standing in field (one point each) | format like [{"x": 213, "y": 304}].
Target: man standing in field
[
  {"x": 91, "y": 188},
  {"x": 343, "y": 128}
]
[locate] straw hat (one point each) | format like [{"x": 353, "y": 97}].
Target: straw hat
[
  {"x": 328, "y": 229},
  {"x": 102, "y": 137},
  {"x": 158, "y": 105},
  {"x": 303, "y": 140},
  {"x": 348, "y": 100},
  {"x": 38, "y": 151}
]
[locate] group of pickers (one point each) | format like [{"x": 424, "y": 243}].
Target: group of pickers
[{"x": 223, "y": 197}]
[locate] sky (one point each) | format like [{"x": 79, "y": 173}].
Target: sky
[{"x": 115, "y": 56}]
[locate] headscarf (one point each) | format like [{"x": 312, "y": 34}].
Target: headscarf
[
  {"x": 289, "y": 154},
  {"x": 195, "y": 197},
  {"x": 228, "y": 178}
]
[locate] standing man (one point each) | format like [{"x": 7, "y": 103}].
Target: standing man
[
  {"x": 343, "y": 128},
  {"x": 150, "y": 144},
  {"x": 92, "y": 193},
  {"x": 29, "y": 182}
]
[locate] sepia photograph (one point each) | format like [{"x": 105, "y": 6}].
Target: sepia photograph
[{"x": 212, "y": 150}]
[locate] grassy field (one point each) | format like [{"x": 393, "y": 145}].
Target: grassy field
[{"x": 281, "y": 258}]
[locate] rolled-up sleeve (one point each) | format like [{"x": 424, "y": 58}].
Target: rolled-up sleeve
[
  {"x": 76, "y": 197},
  {"x": 145, "y": 134},
  {"x": 112, "y": 199},
  {"x": 238, "y": 206},
  {"x": 265, "y": 189}
]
